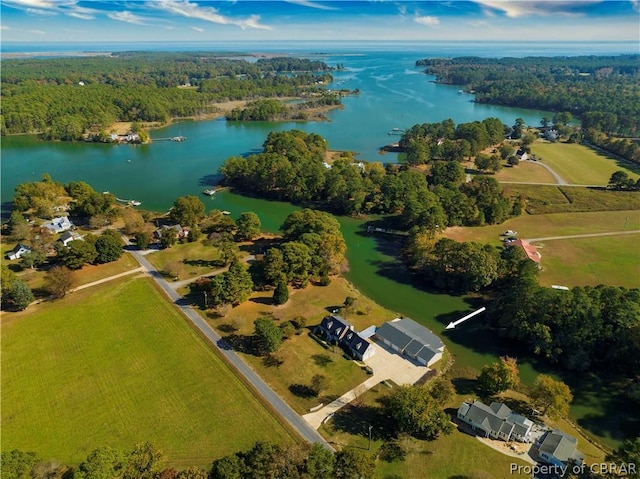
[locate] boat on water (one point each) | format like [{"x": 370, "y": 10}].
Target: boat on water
[
  {"x": 179, "y": 138},
  {"x": 226, "y": 213},
  {"x": 135, "y": 203},
  {"x": 210, "y": 192}
]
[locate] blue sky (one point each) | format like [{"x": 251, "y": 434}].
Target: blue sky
[{"x": 193, "y": 20}]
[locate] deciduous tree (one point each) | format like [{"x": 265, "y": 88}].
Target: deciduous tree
[
  {"x": 499, "y": 376},
  {"x": 58, "y": 281},
  {"x": 553, "y": 396},
  {"x": 187, "y": 211},
  {"x": 248, "y": 226}
]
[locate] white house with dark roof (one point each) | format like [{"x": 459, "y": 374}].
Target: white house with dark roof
[
  {"x": 559, "y": 449},
  {"x": 18, "y": 251},
  {"x": 180, "y": 232},
  {"x": 360, "y": 348},
  {"x": 59, "y": 224},
  {"x": 412, "y": 339},
  {"x": 496, "y": 421},
  {"x": 69, "y": 236}
]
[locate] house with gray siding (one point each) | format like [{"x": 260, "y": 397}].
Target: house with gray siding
[
  {"x": 407, "y": 337},
  {"x": 496, "y": 421}
]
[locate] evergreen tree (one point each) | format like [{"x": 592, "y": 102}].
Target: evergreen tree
[
  {"x": 281, "y": 293},
  {"x": 19, "y": 296}
]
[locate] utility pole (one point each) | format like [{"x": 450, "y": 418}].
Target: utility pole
[
  {"x": 206, "y": 306},
  {"x": 370, "y": 427}
]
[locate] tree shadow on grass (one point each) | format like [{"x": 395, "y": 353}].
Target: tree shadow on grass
[
  {"x": 464, "y": 386},
  {"x": 302, "y": 391},
  {"x": 357, "y": 419},
  {"x": 262, "y": 300},
  {"x": 245, "y": 344}
]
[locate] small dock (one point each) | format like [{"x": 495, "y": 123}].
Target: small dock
[
  {"x": 371, "y": 229},
  {"x": 173, "y": 138}
]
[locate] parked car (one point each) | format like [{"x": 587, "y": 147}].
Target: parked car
[{"x": 509, "y": 233}]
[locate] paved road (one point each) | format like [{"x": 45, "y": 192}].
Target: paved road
[
  {"x": 285, "y": 411},
  {"x": 586, "y": 235}
]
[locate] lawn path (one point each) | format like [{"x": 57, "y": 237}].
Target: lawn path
[
  {"x": 277, "y": 403},
  {"x": 587, "y": 235},
  {"x": 558, "y": 178},
  {"x": 109, "y": 278}
]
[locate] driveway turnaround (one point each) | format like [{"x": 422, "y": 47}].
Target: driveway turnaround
[
  {"x": 277, "y": 403},
  {"x": 386, "y": 365}
]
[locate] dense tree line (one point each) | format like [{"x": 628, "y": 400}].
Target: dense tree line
[
  {"x": 622, "y": 147},
  {"x": 462, "y": 266},
  {"x": 62, "y": 98},
  {"x": 586, "y": 86},
  {"x": 581, "y": 329},
  {"x": 312, "y": 248},
  {"x": 292, "y": 167},
  {"x": 446, "y": 141},
  {"x": 271, "y": 109},
  {"x": 291, "y": 461}
]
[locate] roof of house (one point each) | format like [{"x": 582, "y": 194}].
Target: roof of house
[
  {"x": 404, "y": 330},
  {"x": 335, "y": 325},
  {"x": 20, "y": 247},
  {"x": 69, "y": 235},
  {"x": 530, "y": 250},
  {"x": 496, "y": 418},
  {"x": 355, "y": 342},
  {"x": 560, "y": 445}
]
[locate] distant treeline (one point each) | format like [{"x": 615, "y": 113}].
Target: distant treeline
[
  {"x": 587, "y": 86},
  {"x": 292, "y": 167},
  {"x": 271, "y": 109},
  {"x": 65, "y": 97}
]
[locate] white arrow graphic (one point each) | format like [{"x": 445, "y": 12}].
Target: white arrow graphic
[{"x": 455, "y": 323}]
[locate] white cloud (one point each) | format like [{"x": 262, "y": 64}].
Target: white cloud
[
  {"x": 427, "y": 20},
  {"x": 197, "y": 29},
  {"x": 636, "y": 5},
  {"x": 310, "y": 4},
  {"x": 5, "y": 27},
  {"x": 515, "y": 9},
  {"x": 53, "y": 7},
  {"x": 127, "y": 17},
  {"x": 207, "y": 14},
  {"x": 41, "y": 12}
]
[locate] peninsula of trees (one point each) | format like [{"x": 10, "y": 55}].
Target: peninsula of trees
[
  {"x": 602, "y": 91},
  {"x": 64, "y": 98},
  {"x": 292, "y": 167}
]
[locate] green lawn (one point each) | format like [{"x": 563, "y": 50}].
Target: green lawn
[
  {"x": 611, "y": 260},
  {"x": 300, "y": 356},
  {"x": 526, "y": 172},
  {"x": 186, "y": 259},
  {"x": 579, "y": 164},
  {"x": 116, "y": 365},
  {"x": 451, "y": 456},
  {"x": 542, "y": 199},
  {"x": 553, "y": 224}
]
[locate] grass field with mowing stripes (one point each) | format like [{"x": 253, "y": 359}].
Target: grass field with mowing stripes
[
  {"x": 579, "y": 164},
  {"x": 115, "y": 365}
]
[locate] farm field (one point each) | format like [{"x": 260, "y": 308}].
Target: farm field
[
  {"x": 116, "y": 365},
  {"x": 541, "y": 199},
  {"x": 526, "y": 172},
  {"x": 300, "y": 357},
  {"x": 552, "y": 224},
  {"x": 186, "y": 259},
  {"x": 579, "y": 164},
  {"x": 88, "y": 274},
  {"x": 613, "y": 260}
]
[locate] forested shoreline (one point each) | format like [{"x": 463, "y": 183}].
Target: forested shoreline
[
  {"x": 589, "y": 87},
  {"x": 64, "y": 98}
]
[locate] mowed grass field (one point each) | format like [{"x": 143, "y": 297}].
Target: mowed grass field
[
  {"x": 576, "y": 261},
  {"x": 526, "y": 172},
  {"x": 579, "y": 164},
  {"x": 116, "y": 365},
  {"x": 300, "y": 356},
  {"x": 611, "y": 260}
]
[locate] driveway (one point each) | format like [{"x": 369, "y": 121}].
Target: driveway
[{"x": 386, "y": 365}]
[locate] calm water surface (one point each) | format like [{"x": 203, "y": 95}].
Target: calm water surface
[{"x": 394, "y": 94}]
